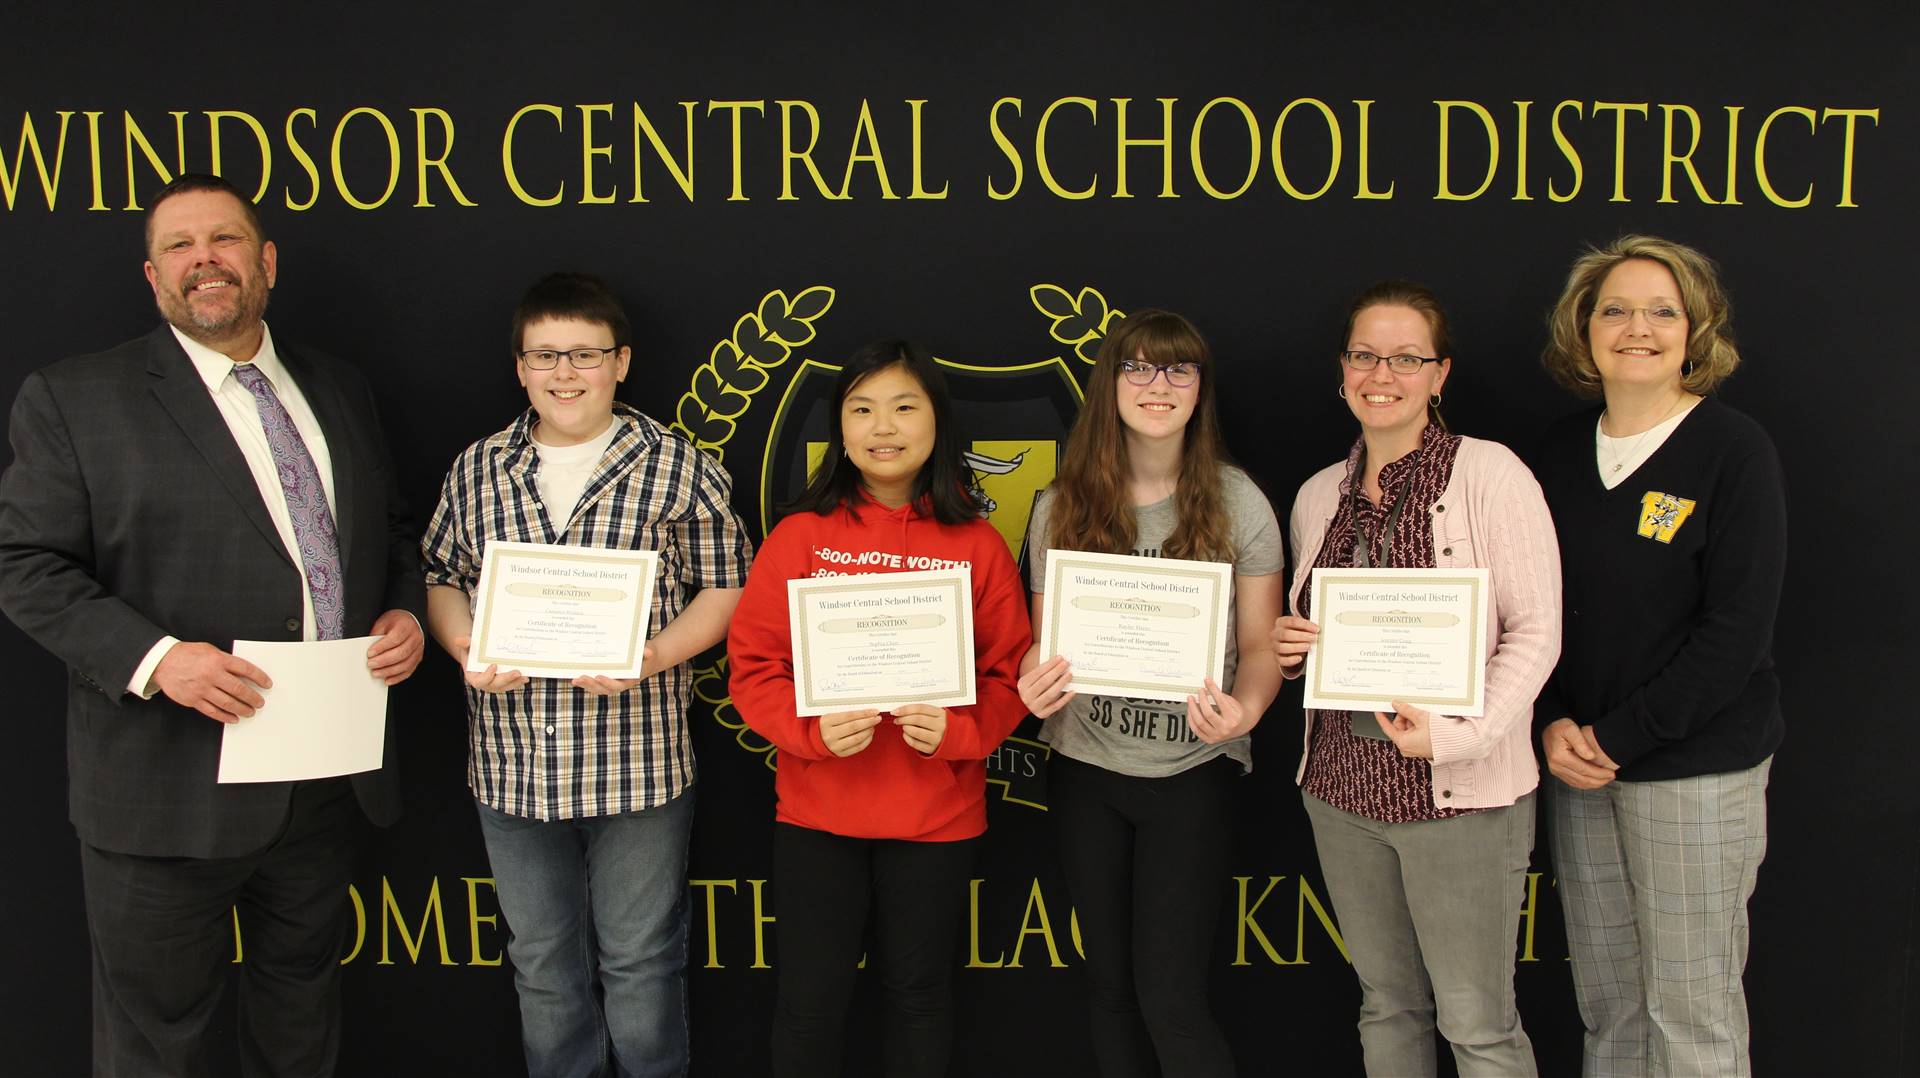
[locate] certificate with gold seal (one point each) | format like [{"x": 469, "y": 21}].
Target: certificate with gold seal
[
  {"x": 1413, "y": 635},
  {"x": 881, "y": 640},
  {"x": 1149, "y": 628},
  {"x": 562, "y": 611}
]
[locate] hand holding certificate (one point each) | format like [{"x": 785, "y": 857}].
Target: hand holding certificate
[
  {"x": 882, "y": 640},
  {"x": 1154, "y": 628},
  {"x": 562, "y": 611},
  {"x": 1411, "y": 635}
]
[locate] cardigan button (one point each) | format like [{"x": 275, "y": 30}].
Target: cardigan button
[
  {"x": 1446, "y": 793},
  {"x": 1439, "y": 508},
  {"x": 1448, "y": 552}
]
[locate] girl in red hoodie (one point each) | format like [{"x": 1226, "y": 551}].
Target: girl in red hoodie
[{"x": 879, "y": 814}]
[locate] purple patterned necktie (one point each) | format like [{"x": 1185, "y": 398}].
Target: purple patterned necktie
[{"x": 313, "y": 526}]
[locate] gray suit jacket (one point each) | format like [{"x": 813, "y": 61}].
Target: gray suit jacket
[{"x": 129, "y": 513}]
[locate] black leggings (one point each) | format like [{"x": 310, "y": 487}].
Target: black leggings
[
  {"x": 827, "y": 887},
  {"x": 1146, "y": 860}
]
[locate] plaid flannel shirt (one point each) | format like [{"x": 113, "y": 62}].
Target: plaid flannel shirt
[{"x": 549, "y": 751}]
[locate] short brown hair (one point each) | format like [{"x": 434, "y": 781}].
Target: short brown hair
[
  {"x": 1711, "y": 355},
  {"x": 1421, "y": 300},
  {"x": 202, "y": 181}
]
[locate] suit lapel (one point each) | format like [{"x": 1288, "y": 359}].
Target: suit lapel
[
  {"x": 185, "y": 397},
  {"x": 323, "y": 396}
]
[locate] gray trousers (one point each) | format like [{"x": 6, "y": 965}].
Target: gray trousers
[
  {"x": 1430, "y": 912},
  {"x": 1655, "y": 878}
]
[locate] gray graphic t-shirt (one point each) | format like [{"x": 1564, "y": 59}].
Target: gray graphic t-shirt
[{"x": 1150, "y": 738}]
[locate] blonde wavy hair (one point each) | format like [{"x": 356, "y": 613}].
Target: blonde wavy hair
[{"x": 1711, "y": 355}]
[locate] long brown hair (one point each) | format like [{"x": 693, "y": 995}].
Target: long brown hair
[{"x": 1091, "y": 507}]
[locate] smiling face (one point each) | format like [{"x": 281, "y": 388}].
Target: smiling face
[
  {"x": 887, "y": 426},
  {"x": 210, "y": 271},
  {"x": 1157, "y": 410},
  {"x": 1636, "y": 354},
  {"x": 1383, "y": 401},
  {"x": 574, "y": 406}
]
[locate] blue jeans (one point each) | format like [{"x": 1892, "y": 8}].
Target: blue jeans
[{"x": 597, "y": 916}]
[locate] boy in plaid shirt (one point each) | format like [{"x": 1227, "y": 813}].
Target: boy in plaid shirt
[{"x": 585, "y": 788}]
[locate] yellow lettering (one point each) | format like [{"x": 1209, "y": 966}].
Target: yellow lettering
[
  {"x": 506, "y": 156},
  {"x": 863, "y": 132},
  {"x": 93, "y": 154},
  {"x": 239, "y": 949},
  {"x": 1529, "y": 911},
  {"x": 590, "y": 150},
  {"x": 359, "y": 924},
  {"x": 761, "y": 919},
  {"x": 475, "y": 920},
  {"x": 135, "y": 135},
  {"x": 1247, "y": 924},
  {"x": 920, "y": 191},
  {"x": 1309, "y": 899},
  {"x": 713, "y": 918},
  {"x": 1760, "y": 157},
  {"x": 1520, "y": 152},
  {"x": 1567, "y": 151},
  {"x": 50, "y": 182},
  {"x": 438, "y": 164},
  {"x": 391, "y": 915},
  {"x": 974, "y": 961},
  {"x": 735, "y": 108},
  {"x": 1040, "y": 148},
  {"x": 1619, "y": 111},
  {"x": 1848, "y": 116},
  {"x": 1122, "y": 143},
  {"x": 1365, "y": 189},
  {"x": 259, "y": 135},
  {"x": 1733, "y": 154},
  {"x": 1279, "y": 162},
  {"x": 788, "y": 155},
  {"x": 1253, "y": 148},
  {"x": 393, "y": 166},
  {"x": 1446, "y": 192},
  {"x": 304, "y": 159},
  {"x": 1001, "y": 140},
  {"x": 681, "y": 176},
  {"x": 1036, "y": 906},
  {"x": 1668, "y": 158}
]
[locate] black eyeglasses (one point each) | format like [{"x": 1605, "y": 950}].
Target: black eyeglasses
[
  {"x": 582, "y": 359},
  {"x": 1400, "y": 364},
  {"x": 1141, "y": 373}
]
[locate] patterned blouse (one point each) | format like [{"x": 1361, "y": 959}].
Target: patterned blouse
[{"x": 1362, "y": 775}]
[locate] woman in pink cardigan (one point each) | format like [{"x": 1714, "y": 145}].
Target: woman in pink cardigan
[{"x": 1424, "y": 822}]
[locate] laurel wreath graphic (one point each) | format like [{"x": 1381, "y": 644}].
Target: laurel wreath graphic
[
  {"x": 764, "y": 338},
  {"x": 1079, "y": 322},
  {"x": 723, "y": 386}
]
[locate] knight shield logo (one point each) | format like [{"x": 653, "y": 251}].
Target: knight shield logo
[{"x": 1662, "y": 514}]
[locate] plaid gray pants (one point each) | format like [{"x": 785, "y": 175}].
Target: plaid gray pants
[{"x": 1654, "y": 879}]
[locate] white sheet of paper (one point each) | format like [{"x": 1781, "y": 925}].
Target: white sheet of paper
[
  {"x": 326, "y": 714},
  {"x": 882, "y": 640},
  {"x": 552, "y": 610},
  {"x": 1413, "y": 635},
  {"x": 1149, "y": 628}
]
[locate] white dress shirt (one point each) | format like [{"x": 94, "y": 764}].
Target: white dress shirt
[{"x": 242, "y": 413}]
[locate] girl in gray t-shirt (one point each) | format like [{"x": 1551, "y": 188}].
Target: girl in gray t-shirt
[{"x": 1139, "y": 790}]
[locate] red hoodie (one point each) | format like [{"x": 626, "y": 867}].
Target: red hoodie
[{"x": 888, "y": 789}]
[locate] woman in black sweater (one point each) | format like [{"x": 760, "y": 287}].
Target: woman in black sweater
[{"x": 1660, "y": 722}]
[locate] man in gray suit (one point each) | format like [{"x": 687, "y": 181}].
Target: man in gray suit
[{"x": 204, "y": 484}]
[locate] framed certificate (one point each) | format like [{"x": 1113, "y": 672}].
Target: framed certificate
[
  {"x": 881, "y": 640},
  {"x": 1153, "y": 628},
  {"x": 562, "y": 611},
  {"x": 1414, "y": 635}
]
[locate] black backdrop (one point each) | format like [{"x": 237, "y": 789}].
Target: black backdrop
[{"x": 418, "y": 296}]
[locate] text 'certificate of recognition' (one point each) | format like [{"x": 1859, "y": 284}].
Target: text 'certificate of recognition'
[
  {"x": 562, "y": 611},
  {"x": 1151, "y": 628},
  {"x": 881, "y": 640},
  {"x": 1413, "y": 635}
]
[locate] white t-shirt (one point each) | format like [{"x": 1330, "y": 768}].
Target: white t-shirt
[
  {"x": 564, "y": 471},
  {"x": 1619, "y": 458}
]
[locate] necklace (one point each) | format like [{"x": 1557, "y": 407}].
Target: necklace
[{"x": 1604, "y": 440}]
